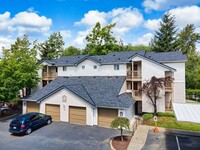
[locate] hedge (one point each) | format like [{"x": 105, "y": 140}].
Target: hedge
[{"x": 193, "y": 91}]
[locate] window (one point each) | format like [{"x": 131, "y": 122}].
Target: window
[
  {"x": 116, "y": 67},
  {"x": 83, "y": 67},
  {"x": 95, "y": 66},
  {"x": 65, "y": 68}
]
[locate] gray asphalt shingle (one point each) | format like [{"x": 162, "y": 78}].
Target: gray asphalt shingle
[
  {"x": 101, "y": 91},
  {"x": 122, "y": 57}
]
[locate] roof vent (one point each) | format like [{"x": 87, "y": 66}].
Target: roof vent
[
  {"x": 113, "y": 54},
  {"x": 118, "y": 58},
  {"x": 66, "y": 77},
  {"x": 116, "y": 77},
  {"x": 109, "y": 77},
  {"x": 78, "y": 57},
  {"x": 99, "y": 59},
  {"x": 79, "y": 77},
  {"x": 67, "y": 61},
  {"x": 94, "y": 77}
]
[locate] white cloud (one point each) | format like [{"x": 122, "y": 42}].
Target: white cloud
[
  {"x": 166, "y": 4},
  {"x": 92, "y": 17},
  {"x": 5, "y": 42},
  {"x": 80, "y": 39},
  {"x": 186, "y": 15},
  {"x": 24, "y": 23},
  {"x": 153, "y": 24},
  {"x": 144, "y": 40},
  {"x": 65, "y": 34},
  {"x": 125, "y": 19}
]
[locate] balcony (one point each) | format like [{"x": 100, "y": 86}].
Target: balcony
[
  {"x": 134, "y": 75},
  {"x": 168, "y": 87},
  {"x": 49, "y": 75},
  {"x": 136, "y": 95}
]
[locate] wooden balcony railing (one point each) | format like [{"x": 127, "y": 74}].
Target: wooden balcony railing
[
  {"x": 134, "y": 75},
  {"x": 49, "y": 75},
  {"x": 168, "y": 87},
  {"x": 136, "y": 95}
]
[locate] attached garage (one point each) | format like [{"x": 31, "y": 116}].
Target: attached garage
[
  {"x": 53, "y": 111},
  {"x": 32, "y": 107},
  {"x": 77, "y": 115},
  {"x": 106, "y": 116}
]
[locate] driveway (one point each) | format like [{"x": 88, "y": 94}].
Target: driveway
[
  {"x": 161, "y": 141},
  {"x": 58, "y": 136}
]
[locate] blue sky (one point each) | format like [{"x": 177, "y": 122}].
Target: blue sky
[{"x": 136, "y": 20}]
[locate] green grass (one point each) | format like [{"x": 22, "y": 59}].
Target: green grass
[
  {"x": 167, "y": 120},
  {"x": 192, "y": 102}
]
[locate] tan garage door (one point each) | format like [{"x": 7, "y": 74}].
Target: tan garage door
[
  {"x": 77, "y": 115},
  {"x": 53, "y": 111},
  {"x": 32, "y": 107},
  {"x": 106, "y": 116}
]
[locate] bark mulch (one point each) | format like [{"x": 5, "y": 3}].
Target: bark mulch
[{"x": 121, "y": 145}]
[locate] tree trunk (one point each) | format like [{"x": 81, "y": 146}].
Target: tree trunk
[
  {"x": 155, "y": 110},
  {"x": 122, "y": 135}
]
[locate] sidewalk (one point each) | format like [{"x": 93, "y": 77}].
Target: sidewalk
[
  {"x": 139, "y": 138},
  {"x": 140, "y": 135}
]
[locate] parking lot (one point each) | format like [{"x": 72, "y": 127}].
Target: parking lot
[
  {"x": 161, "y": 141},
  {"x": 58, "y": 136}
]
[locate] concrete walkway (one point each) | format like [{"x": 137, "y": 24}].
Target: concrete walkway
[{"x": 139, "y": 138}]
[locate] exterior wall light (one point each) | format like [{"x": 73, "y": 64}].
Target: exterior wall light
[{"x": 64, "y": 98}]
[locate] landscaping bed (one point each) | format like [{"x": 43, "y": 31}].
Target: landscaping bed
[
  {"x": 121, "y": 145},
  {"x": 168, "y": 120}
]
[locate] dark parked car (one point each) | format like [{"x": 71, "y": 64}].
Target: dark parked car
[{"x": 25, "y": 124}]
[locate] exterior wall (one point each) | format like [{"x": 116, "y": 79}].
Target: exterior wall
[
  {"x": 150, "y": 69},
  {"x": 39, "y": 85},
  {"x": 179, "y": 82},
  {"x": 123, "y": 89},
  {"x": 130, "y": 112},
  {"x": 102, "y": 70},
  {"x": 72, "y": 100}
]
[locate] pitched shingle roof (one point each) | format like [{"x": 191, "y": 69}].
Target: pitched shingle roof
[
  {"x": 122, "y": 57},
  {"x": 98, "y": 91}
]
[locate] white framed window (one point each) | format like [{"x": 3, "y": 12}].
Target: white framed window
[
  {"x": 83, "y": 67},
  {"x": 116, "y": 67},
  {"x": 95, "y": 66},
  {"x": 64, "y": 68}
]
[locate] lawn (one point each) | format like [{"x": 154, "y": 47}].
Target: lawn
[
  {"x": 167, "y": 120},
  {"x": 192, "y": 102}
]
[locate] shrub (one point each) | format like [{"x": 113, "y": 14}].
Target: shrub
[{"x": 147, "y": 116}]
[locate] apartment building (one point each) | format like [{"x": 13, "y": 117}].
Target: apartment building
[{"x": 93, "y": 90}]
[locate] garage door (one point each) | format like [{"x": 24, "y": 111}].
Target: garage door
[
  {"x": 77, "y": 115},
  {"x": 32, "y": 107},
  {"x": 53, "y": 111},
  {"x": 106, "y": 116}
]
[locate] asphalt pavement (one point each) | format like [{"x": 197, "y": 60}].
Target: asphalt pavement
[{"x": 58, "y": 136}]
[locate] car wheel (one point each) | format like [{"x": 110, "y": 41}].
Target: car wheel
[
  {"x": 28, "y": 131},
  {"x": 49, "y": 121},
  {"x": 4, "y": 112}
]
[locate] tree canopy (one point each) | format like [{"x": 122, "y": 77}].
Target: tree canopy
[
  {"x": 71, "y": 50},
  {"x": 165, "y": 39},
  {"x": 18, "y": 69},
  {"x": 51, "y": 48}
]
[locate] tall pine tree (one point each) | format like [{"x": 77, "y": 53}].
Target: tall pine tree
[{"x": 165, "y": 39}]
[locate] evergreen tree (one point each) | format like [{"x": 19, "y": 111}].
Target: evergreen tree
[
  {"x": 188, "y": 39},
  {"x": 165, "y": 39},
  {"x": 51, "y": 48}
]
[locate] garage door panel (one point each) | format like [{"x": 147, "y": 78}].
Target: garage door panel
[
  {"x": 106, "y": 116},
  {"x": 77, "y": 115},
  {"x": 32, "y": 107},
  {"x": 53, "y": 111}
]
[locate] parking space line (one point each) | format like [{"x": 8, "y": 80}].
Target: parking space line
[{"x": 178, "y": 143}]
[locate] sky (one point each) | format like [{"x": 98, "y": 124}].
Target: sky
[{"x": 136, "y": 20}]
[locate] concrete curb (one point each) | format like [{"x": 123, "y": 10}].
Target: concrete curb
[
  {"x": 8, "y": 117},
  {"x": 111, "y": 147},
  {"x": 181, "y": 132}
]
